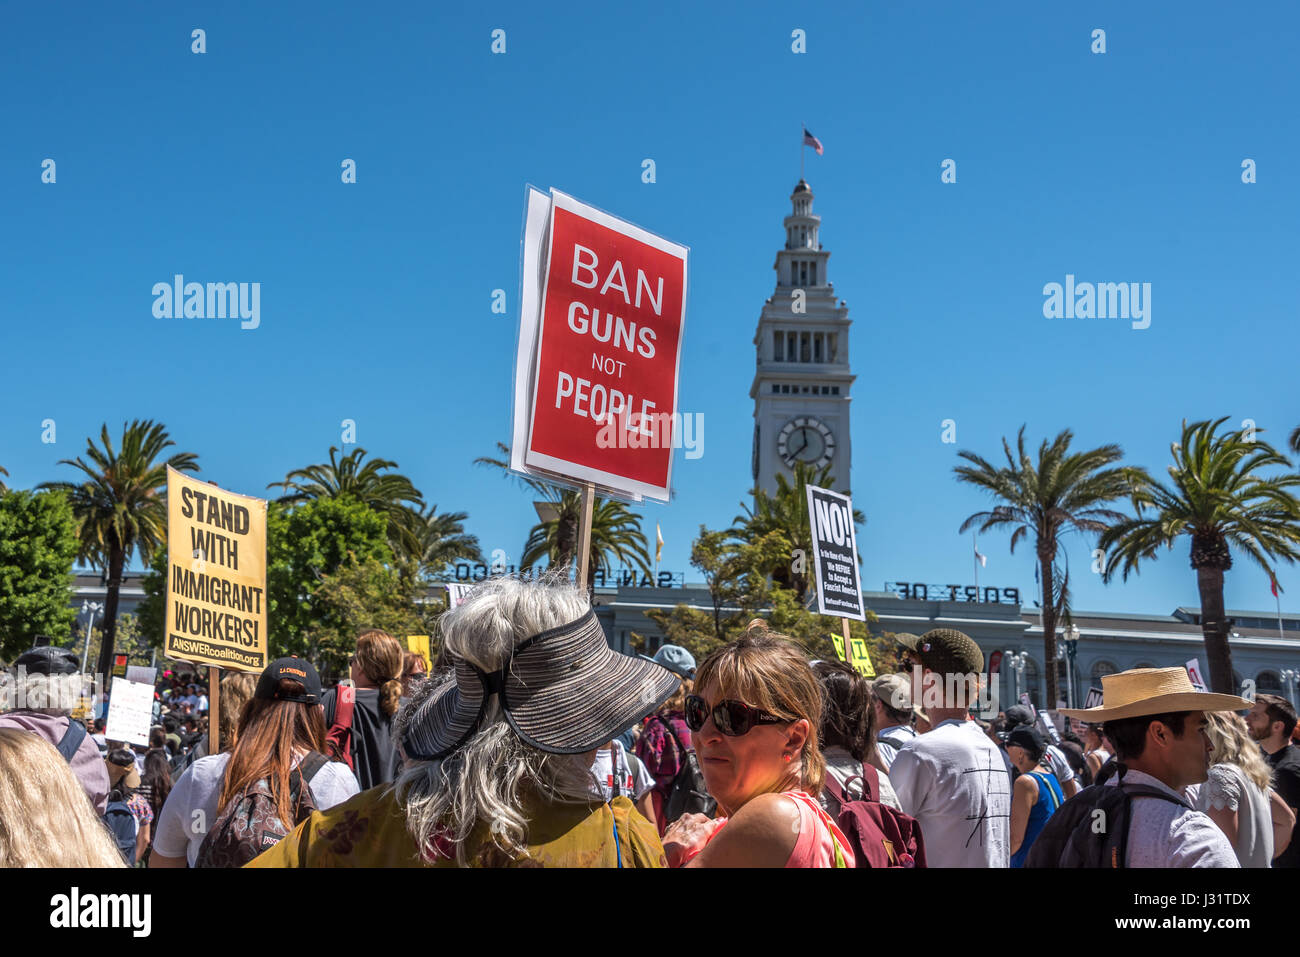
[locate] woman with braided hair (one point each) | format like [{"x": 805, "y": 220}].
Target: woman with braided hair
[{"x": 377, "y": 684}]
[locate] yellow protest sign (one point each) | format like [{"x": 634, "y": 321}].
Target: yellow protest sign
[
  {"x": 860, "y": 659},
  {"x": 420, "y": 645},
  {"x": 857, "y": 655},
  {"x": 216, "y": 575}
]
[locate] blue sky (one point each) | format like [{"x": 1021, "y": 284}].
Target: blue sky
[{"x": 375, "y": 304}]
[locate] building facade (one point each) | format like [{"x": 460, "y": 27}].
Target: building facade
[{"x": 802, "y": 377}]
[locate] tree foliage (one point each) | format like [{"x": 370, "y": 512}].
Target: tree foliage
[
  {"x": 1061, "y": 492},
  {"x": 121, "y": 506},
  {"x": 38, "y": 543},
  {"x": 1220, "y": 496},
  {"x": 615, "y": 528},
  {"x": 389, "y": 493},
  {"x": 359, "y": 596},
  {"x": 305, "y": 545}
]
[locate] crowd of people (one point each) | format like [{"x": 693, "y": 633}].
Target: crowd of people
[{"x": 533, "y": 743}]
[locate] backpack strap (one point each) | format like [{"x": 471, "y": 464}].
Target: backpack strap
[
  {"x": 1130, "y": 792},
  {"x": 668, "y": 726},
  {"x": 837, "y": 792},
  {"x": 615, "y": 778},
  {"x": 870, "y": 783},
  {"x": 71, "y": 741},
  {"x": 344, "y": 701},
  {"x": 312, "y": 763}
]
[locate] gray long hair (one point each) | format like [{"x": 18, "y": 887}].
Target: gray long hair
[{"x": 488, "y": 778}]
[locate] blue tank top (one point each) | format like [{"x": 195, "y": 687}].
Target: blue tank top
[{"x": 1049, "y": 799}]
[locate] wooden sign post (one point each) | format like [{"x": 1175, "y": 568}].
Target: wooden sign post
[
  {"x": 583, "y": 554},
  {"x": 214, "y": 710}
]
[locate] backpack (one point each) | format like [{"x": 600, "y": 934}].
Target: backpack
[
  {"x": 1072, "y": 838},
  {"x": 249, "y": 824},
  {"x": 339, "y": 738},
  {"x": 688, "y": 794},
  {"x": 879, "y": 835},
  {"x": 122, "y": 825}
]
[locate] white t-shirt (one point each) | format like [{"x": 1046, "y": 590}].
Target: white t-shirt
[
  {"x": 1165, "y": 834},
  {"x": 633, "y": 778},
  {"x": 191, "y": 807},
  {"x": 953, "y": 781},
  {"x": 1056, "y": 760}
]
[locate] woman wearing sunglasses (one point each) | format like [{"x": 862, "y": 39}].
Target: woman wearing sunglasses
[{"x": 754, "y": 720}]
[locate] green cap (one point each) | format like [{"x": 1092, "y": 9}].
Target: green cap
[{"x": 947, "y": 651}]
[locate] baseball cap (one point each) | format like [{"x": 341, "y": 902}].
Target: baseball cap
[
  {"x": 296, "y": 669},
  {"x": 894, "y": 690},
  {"x": 676, "y": 659},
  {"x": 945, "y": 651},
  {"x": 49, "y": 660},
  {"x": 1027, "y": 737},
  {"x": 1018, "y": 714}
]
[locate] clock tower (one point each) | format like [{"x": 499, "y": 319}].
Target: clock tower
[{"x": 802, "y": 379}]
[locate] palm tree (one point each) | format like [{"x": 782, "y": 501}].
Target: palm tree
[
  {"x": 120, "y": 507},
  {"x": 1217, "y": 496},
  {"x": 615, "y": 529},
  {"x": 442, "y": 539},
  {"x": 1294, "y": 441},
  {"x": 786, "y": 511},
  {"x": 1064, "y": 492},
  {"x": 615, "y": 534},
  {"x": 388, "y": 493},
  {"x": 3, "y": 488}
]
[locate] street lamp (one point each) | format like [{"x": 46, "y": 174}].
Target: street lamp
[
  {"x": 89, "y": 607},
  {"x": 1289, "y": 676},
  {"x": 1071, "y": 650},
  {"x": 1017, "y": 661}
]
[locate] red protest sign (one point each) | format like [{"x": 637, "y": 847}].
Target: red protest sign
[{"x": 604, "y": 391}]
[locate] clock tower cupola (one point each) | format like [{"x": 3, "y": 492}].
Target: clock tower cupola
[{"x": 802, "y": 378}]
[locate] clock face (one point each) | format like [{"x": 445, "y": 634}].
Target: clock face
[{"x": 806, "y": 439}]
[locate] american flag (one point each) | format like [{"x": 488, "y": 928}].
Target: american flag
[{"x": 810, "y": 140}]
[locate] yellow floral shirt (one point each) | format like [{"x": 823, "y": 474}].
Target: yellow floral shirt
[{"x": 369, "y": 830}]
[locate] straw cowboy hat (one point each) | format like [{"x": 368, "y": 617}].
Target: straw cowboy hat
[{"x": 1143, "y": 691}]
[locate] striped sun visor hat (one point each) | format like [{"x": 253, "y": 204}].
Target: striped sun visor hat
[{"x": 564, "y": 691}]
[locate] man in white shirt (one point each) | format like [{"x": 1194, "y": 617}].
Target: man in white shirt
[
  {"x": 952, "y": 778},
  {"x": 1156, "y": 720}
]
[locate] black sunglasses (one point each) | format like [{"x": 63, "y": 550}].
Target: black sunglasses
[{"x": 732, "y": 718}]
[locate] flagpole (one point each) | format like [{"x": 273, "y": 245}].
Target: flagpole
[
  {"x": 975, "y": 557},
  {"x": 801, "y": 129},
  {"x": 1278, "y": 598}
]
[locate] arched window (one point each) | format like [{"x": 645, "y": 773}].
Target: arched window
[
  {"x": 1100, "y": 668},
  {"x": 1268, "y": 682}
]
